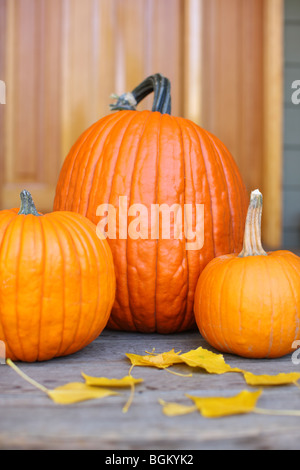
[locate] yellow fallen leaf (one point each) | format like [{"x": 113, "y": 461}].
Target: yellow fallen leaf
[
  {"x": 280, "y": 379},
  {"x": 203, "y": 358},
  {"x": 211, "y": 362},
  {"x": 24, "y": 376},
  {"x": 176, "y": 409},
  {"x": 65, "y": 394},
  {"x": 126, "y": 381},
  {"x": 169, "y": 356},
  {"x": 161, "y": 361},
  {"x": 215, "y": 407},
  {"x": 75, "y": 392}
]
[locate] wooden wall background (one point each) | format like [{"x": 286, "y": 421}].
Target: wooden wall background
[
  {"x": 62, "y": 59},
  {"x": 291, "y": 170}
]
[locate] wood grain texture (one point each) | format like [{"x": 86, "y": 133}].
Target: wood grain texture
[
  {"x": 273, "y": 121},
  {"x": 194, "y": 67},
  {"x": 30, "y": 420},
  {"x": 242, "y": 101},
  {"x": 3, "y": 6},
  {"x": 232, "y": 98},
  {"x": 62, "y": 59}
]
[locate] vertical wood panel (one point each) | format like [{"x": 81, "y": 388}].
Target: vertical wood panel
[
  {"x": 50, "y": 99},
  {"x": 233, "y": 80},
  {"x": 251, "y": 93},
  {"x": 62, "y": 59},
  {"x": 78, "y": 74},
  {"x": 194, "y": 67},
  {"x": 167, "y": 42},
  {"x": 112, "y": 56},
  {"x": 3, "y": 7},
  {"x": 273, "y": 121},
  {"x": 242, "y": 93},
  {"x": 9, "y": 71},
  {"x": 25, "y": 85},
  {"x": 130, "y": 44},
  {"x": 32, "y": 125}
]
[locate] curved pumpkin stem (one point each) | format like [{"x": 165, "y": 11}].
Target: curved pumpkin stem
[
  {"x": 161, "y": 87},
  {"x": 252, "y": 237},
  {"x": 27, "y": 204}
]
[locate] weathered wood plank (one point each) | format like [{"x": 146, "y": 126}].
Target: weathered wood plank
[{"x": 30, "y": 420}]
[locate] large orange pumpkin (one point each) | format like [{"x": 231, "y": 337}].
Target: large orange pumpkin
[
  {"x": 152, "y": 158},
  {"x": 249, "y": 304},
  {"x": 57, "y": 283}
]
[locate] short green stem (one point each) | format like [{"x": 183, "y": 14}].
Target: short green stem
[{"x": 27, "y": 204}]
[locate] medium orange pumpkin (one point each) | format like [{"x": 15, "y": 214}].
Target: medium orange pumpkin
[
  {"x": 249, "y": 304},
  {"x": 152, "y": 158},
  {"x": 57, "y": 282}
]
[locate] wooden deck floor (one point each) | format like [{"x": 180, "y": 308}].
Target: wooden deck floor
[{"x": 30, "y": 420}]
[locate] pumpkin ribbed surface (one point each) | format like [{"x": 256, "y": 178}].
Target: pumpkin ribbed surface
[
  {"x": 248, "y": 303},
  {"x": 250, "y": 306},
  {"x": 153, "y": 158},
  {"x": 57, "y": 284}
]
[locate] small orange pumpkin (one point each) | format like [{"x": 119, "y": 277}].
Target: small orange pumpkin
[
  {"x": 249, "y": 304},
  {"x": 57, "y": 282}
]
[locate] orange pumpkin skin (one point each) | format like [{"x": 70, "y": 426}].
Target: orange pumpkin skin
[
  {"x": 155, "y": 158},
  {"x": 57, "y": 284},
  {"x": 250, "y": 306}
]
